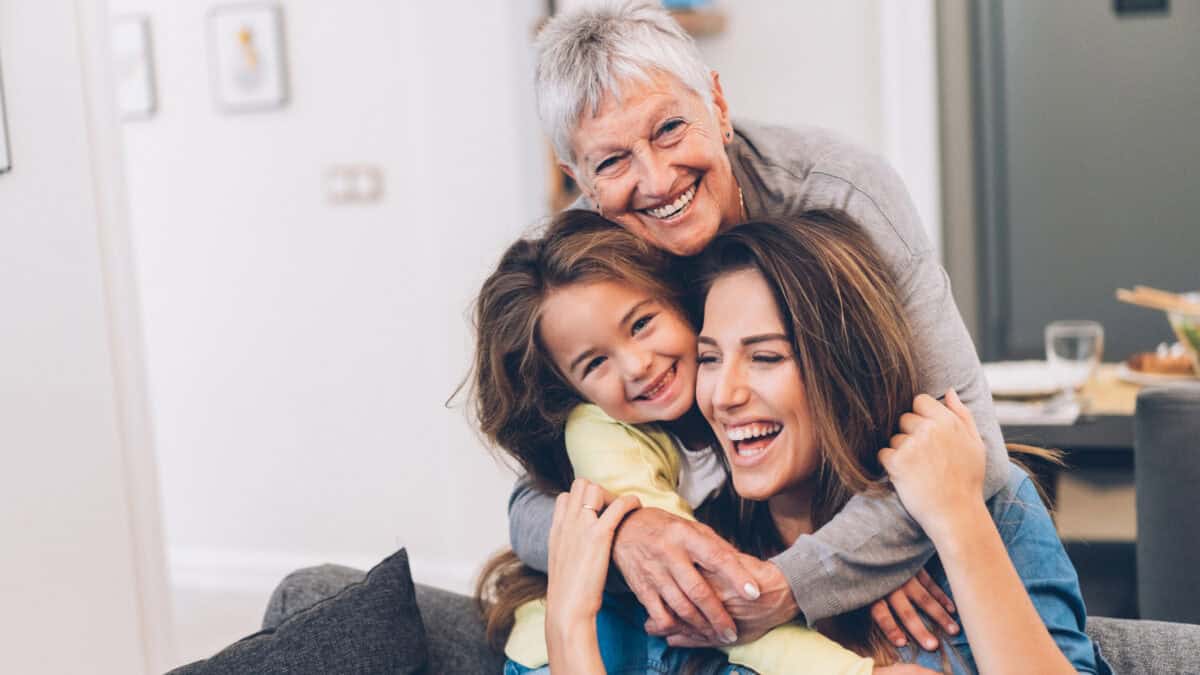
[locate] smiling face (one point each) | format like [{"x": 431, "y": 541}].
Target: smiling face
[
  {"x": 749, "y": 389},
  {"x": 655, "y": 163},
  {"x": 623, "y": 349}
]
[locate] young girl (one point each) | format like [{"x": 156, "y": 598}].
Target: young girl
[{"x": 586, "y": 368}]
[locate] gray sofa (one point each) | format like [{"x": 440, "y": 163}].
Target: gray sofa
[{"x": 455, "y": 644}]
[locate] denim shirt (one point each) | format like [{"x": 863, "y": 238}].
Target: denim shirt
[
  {"x": 1045, "y": 570},
  {"x": 1033, "y": 546}
]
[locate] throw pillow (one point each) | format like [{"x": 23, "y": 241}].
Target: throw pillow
[{"x": 369, "y": 627}]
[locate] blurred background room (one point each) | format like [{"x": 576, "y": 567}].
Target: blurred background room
[{"x": 241, "y": 241}]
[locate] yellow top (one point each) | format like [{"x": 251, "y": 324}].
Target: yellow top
[{"x": 643, "y": 460}]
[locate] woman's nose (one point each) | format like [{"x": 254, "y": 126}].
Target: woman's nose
[
  {"x": 657, "y": 178},
  {"x": 730, "y": 390}
]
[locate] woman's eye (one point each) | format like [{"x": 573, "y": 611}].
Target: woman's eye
[
  {"x": 593, "y": 364},
  {"x": 670, "y": 126},
  {"x": 706, "y": 358},
  {"x": 609, "y": 163},
  {"x": 641, "y": 323},
  {"x": 768, "y": 358}
]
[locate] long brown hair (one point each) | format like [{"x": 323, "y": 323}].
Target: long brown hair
[
  {"x": 519, "y": 398},
  {"x": 845, "y": 321},
  {"x": 847, "y": 327}
]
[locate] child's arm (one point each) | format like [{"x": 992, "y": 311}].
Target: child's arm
[{"x": 625, "y": 460}]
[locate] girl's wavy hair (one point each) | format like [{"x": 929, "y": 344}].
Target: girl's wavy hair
[{"x": 518, "y": 397}]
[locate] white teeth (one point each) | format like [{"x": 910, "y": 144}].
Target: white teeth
[
  {"x": 675, "y": 206},
  {"x": 651, "y": 393},
  {"x": 755, "y": 430}
]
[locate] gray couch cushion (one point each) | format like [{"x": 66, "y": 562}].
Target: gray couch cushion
[
  {"x": 1150, "y": 647},
  {"x": 369, "y": 625},
  {"x": 453, "y": 627},
  {"x": 454, "y": 631}
]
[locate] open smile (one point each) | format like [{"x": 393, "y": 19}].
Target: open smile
[
  {"x": 675, "y": 208},
  {"x": 752, "y": 440},
  {"x": 660, "y": 387}
]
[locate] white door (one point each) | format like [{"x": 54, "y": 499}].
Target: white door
[{"x": 81, "y": 573}]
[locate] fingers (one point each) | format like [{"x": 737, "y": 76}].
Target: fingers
[
  {"x": 882, "y": 615},
  {"x": 701, "y": 595},
  {"x": 955, "y": 404},
  {"x": 595, "y": 497},
  {"x": 661, "y": 621},
  {"x": 936, "y": 591},
  {"x": 616, "y": 511},
  {"x": 687, "y": 639},
  {"x": 911, "y": 620},
  {"x": 721, "y": 560},
  {"x": 688, "y": 614},
  {"x": 919, "y": 594},
  {"x": 886, "y": 457},
  {"x": 910, "y": 423}
]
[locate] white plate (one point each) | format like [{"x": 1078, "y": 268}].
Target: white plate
[
  {"x": 1020, "y": 379},
  {"x": 1132, "y": 376}
]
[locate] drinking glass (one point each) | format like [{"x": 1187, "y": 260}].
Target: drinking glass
[{"x": 1073, "y": 350}]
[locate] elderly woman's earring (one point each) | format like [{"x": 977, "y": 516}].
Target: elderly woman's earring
[{"x": 729, "y": 135}]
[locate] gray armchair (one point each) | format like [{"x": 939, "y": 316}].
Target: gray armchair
[{"x": 1167, "y": 476}]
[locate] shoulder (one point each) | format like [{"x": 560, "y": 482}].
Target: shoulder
[
  {"x": 795, "y": 169},
  {"x": 800, "y": 150},
  {"x": 1021, "y": 516},
  {"x": 589, "y": 426}
]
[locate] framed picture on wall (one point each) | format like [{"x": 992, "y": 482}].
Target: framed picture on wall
[
  {"x": 134, "y": 67},
  {"x": 247, "y": 57},
  {"x": 5, "y": 158}
]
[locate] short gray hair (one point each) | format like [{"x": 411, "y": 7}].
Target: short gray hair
[{"x": 586, "y": 53}]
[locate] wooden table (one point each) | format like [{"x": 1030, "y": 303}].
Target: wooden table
[{"x": 1102, "y": 437}]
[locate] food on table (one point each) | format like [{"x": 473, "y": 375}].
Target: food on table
[{"x": 1172, "y": 360}]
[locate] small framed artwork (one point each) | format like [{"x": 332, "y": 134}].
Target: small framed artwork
[
  {"x": 134, "y": 66},
  {"x": 247, "y": 57},
  {"x": 5, "y": 158}
]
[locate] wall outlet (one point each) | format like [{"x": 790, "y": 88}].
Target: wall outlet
[{"x": 353, "y": 184}]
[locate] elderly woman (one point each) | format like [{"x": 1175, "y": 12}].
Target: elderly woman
[{"x": 644, "y": 128}]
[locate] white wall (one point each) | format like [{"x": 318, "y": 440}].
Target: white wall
[
  {"x": 81, "y": 573},
  {"x": 802, "y": 63},
  {"x": 865, "y": 68},
  {"x": 300, "y": 352}
]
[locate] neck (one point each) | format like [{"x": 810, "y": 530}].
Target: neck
[
  {"x": 792, "y": 511},
  {"x": 692, "y": 429}
]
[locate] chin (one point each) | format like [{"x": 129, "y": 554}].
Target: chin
[{"x": 748, "y": 487}]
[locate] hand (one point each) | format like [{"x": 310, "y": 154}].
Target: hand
[
  {"x": 774, "y": 606},
  {"x": 580, "y": 541},
  {"x": 936, "y": 463},
  {"x": 928, "y": 596},
  {"x": 658, "y": 554}
]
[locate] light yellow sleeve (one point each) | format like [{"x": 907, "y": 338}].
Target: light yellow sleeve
[
  {"x": 625, "y": 459},
  {"x": 791, "y": 649}
]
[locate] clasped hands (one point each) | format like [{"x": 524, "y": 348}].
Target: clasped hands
[{"x": 700, "y": 591}]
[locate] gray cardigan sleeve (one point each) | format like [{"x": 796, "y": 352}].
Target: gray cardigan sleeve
[
  {"x": 872, "y": 545},
  {"x": 530, "y": 512}
]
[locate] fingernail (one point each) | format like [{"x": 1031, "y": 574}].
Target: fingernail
[
  {"x": 952, "y": 628},
  {"x": 901, "y": 642},
  {"x": 730, "y": 636},
  {"x": 751, "y": 591},
  {"x": 931, "y": 645}
]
